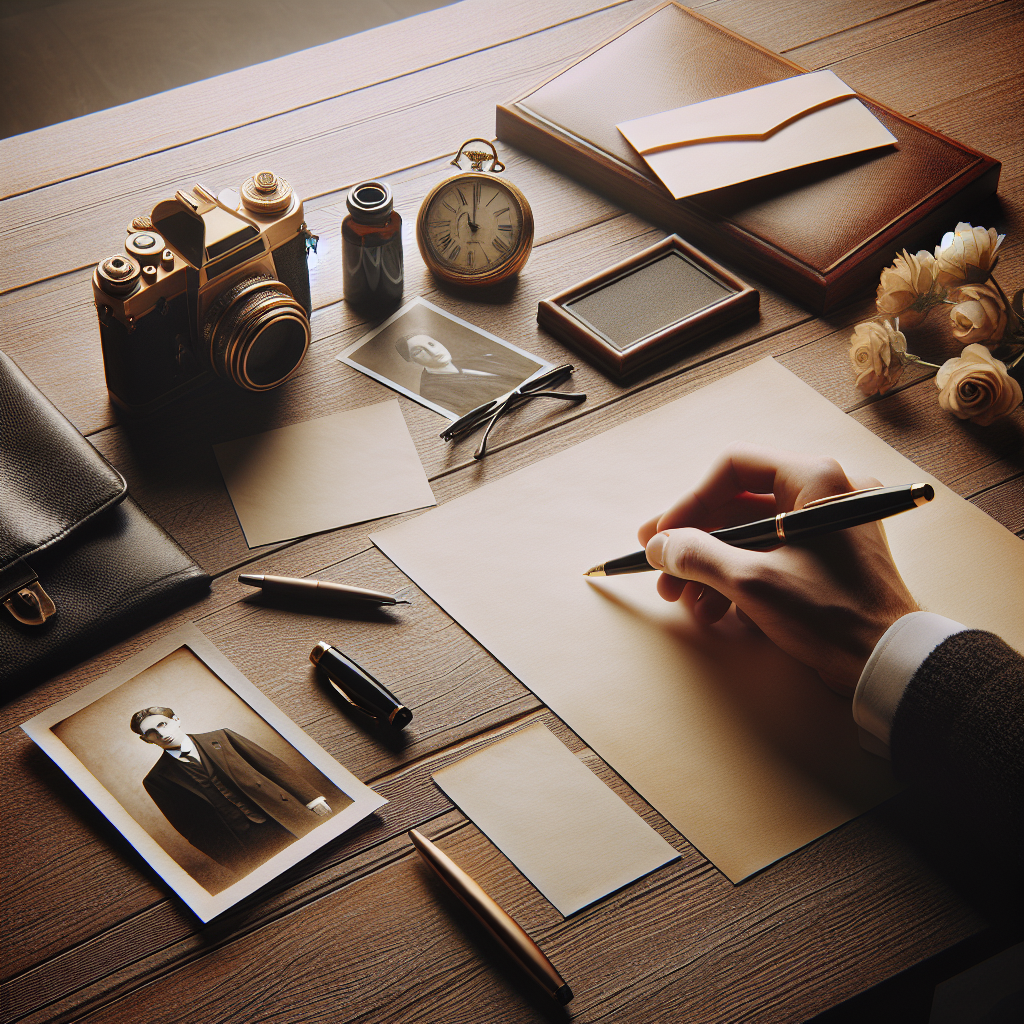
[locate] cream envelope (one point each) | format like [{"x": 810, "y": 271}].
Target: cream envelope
[{"x": 749, "y": 134}]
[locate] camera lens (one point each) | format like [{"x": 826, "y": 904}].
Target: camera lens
[
  {"x": 275, "y": 352},
  {"x": 256, "y": 333}
]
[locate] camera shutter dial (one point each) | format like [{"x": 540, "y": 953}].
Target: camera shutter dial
[
  {"x": 265, "y": 192},
  {"x": 145, "y": 246},
  {"x": 118, "y": 275}
]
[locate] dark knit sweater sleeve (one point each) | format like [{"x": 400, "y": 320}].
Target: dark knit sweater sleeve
[{"x": 958, "y": 732}]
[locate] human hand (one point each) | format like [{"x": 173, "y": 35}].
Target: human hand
[{"x": 826, "y": 602}]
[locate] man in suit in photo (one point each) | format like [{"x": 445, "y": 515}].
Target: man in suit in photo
[
  {"x": 472, "y": 381},
  {"x": 236, "y": 802}
]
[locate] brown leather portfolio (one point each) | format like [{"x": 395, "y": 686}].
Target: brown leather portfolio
[{"x": 819, "y": 233}]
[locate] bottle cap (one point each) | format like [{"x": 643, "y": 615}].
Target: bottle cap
[{"x": 370, "y": 202}]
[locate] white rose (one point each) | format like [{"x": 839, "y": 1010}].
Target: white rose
[
  {"x": 877, "y": 352},
  {"x": 976, "y": 387},
  {"x": 979, "y": 315},
  {"x": 966, "y": 254},
  {"x": 907, "y": 288}
]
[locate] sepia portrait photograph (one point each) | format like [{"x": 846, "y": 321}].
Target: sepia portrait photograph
[
  {"x": 211, "y": 783},
  {"x": 440, "y": 360}
]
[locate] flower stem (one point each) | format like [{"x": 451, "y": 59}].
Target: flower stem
[
  {"x": 911, "y": 358},
  {"x": 1002, "y": 294}
]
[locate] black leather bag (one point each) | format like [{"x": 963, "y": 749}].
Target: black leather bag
[{"x": 81, "y": 565}]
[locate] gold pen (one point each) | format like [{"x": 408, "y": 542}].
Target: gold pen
[
  {"x": 317, "y": 590},
  {"x": 516, "y": 942}
]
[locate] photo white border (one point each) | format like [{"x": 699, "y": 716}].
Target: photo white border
[
  {"x": 201, "y": 902},
  {"x": 345, "y": 356}
]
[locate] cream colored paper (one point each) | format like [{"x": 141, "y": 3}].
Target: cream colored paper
[
  {"x": 759, "y": 131},
  {"x": 322, "y": 474},
  {"x": 571, "y": 836},
  {"x": 740, "y": 747}
]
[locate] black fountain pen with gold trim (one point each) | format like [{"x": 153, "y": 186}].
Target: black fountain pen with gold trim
[
  {"x": 356, "y": 686},
  {"x": 825, "y": 515}
]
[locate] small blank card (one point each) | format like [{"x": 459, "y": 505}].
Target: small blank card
[
  {"x": 347, "y": 468},
  {"x": 572, "y": 837}
]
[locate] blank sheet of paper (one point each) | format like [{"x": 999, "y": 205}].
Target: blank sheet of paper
[
  {"x": 739, "y": 746},
  {"x": 572, "y": 837},
  {"x": 322, "y": 474}
]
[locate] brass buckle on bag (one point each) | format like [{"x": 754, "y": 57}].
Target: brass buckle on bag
[
  {"x": 31, "y": 605},
  {"x": 26, "y": 599}
]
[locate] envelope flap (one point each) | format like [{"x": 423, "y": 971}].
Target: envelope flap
[{"x": 751, "y": 114}]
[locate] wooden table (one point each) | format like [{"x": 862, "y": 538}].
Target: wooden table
[{"x": 359, "y": 931}]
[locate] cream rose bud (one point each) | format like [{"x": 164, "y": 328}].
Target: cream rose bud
[
  {"x": 976, "y": 387},
  {"x": 906, "y": 289},
  {"x": 979, "y": 315},
  {"x": 966, "y": 254},
  {"x": 877, "y": 352}
]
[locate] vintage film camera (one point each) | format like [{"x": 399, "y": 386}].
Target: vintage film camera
[{"x": 207, "y": 286}]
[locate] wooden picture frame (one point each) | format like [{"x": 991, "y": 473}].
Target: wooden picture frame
[{"x": 562, "y": 316}]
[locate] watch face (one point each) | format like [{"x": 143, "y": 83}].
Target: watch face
[{"x": 474, "y": 224}]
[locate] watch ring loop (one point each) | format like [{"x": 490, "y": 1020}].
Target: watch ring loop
[{"x": 477, "y": 158}]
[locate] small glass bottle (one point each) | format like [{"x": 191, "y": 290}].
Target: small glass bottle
[{"x": 371, "y": 248}]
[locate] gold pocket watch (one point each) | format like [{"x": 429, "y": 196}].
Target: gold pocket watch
[{"x": 474, "y": 228}]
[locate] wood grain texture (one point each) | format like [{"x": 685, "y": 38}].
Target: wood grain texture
[
  {"x": 183, "y": 115},
  {"x": 706, "y": 950},
  {"x": 787, "y": 24},
  {"x": 359, "y": 932},
  {"x": 319, "y": 149},
  {"x": 912, "y": 39},
  {"x": 1004, "y": 502},
  {"x": 254, "y": 94},
  {"x": 454, "y": 688},
  {"x": 668, "y": 901}
]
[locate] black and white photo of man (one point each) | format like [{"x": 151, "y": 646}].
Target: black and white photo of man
[
  {"x": 236, "y": 802},
  {"x": 440, "y": 360},
  {"x": 214, "y": 786},
  {"x": 475, "y": 380}
]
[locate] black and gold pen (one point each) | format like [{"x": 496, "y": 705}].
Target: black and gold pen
[
  {"x": 508, "y": 933},
  {"x": 824, "y": 515},
  {"x": 354, "y": 684}
]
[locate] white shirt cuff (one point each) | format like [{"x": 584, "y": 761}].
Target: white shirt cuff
[{"x": 897, "y": 656}]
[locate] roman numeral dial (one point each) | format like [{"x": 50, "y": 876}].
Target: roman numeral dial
[{"x": 475, "y": 228}]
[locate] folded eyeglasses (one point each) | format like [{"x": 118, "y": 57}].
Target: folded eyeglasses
[{"x": 491, "y": 412}]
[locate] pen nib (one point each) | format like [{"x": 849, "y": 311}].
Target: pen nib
[{"x": 598, "y": 570}]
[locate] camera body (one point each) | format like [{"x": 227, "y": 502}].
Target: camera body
[{"x": 208, "y": 286}]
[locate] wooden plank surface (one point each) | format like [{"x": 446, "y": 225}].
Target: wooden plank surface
[
  {"x": 359, "y": 931},
  {"x": 203, "y": 109}
]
